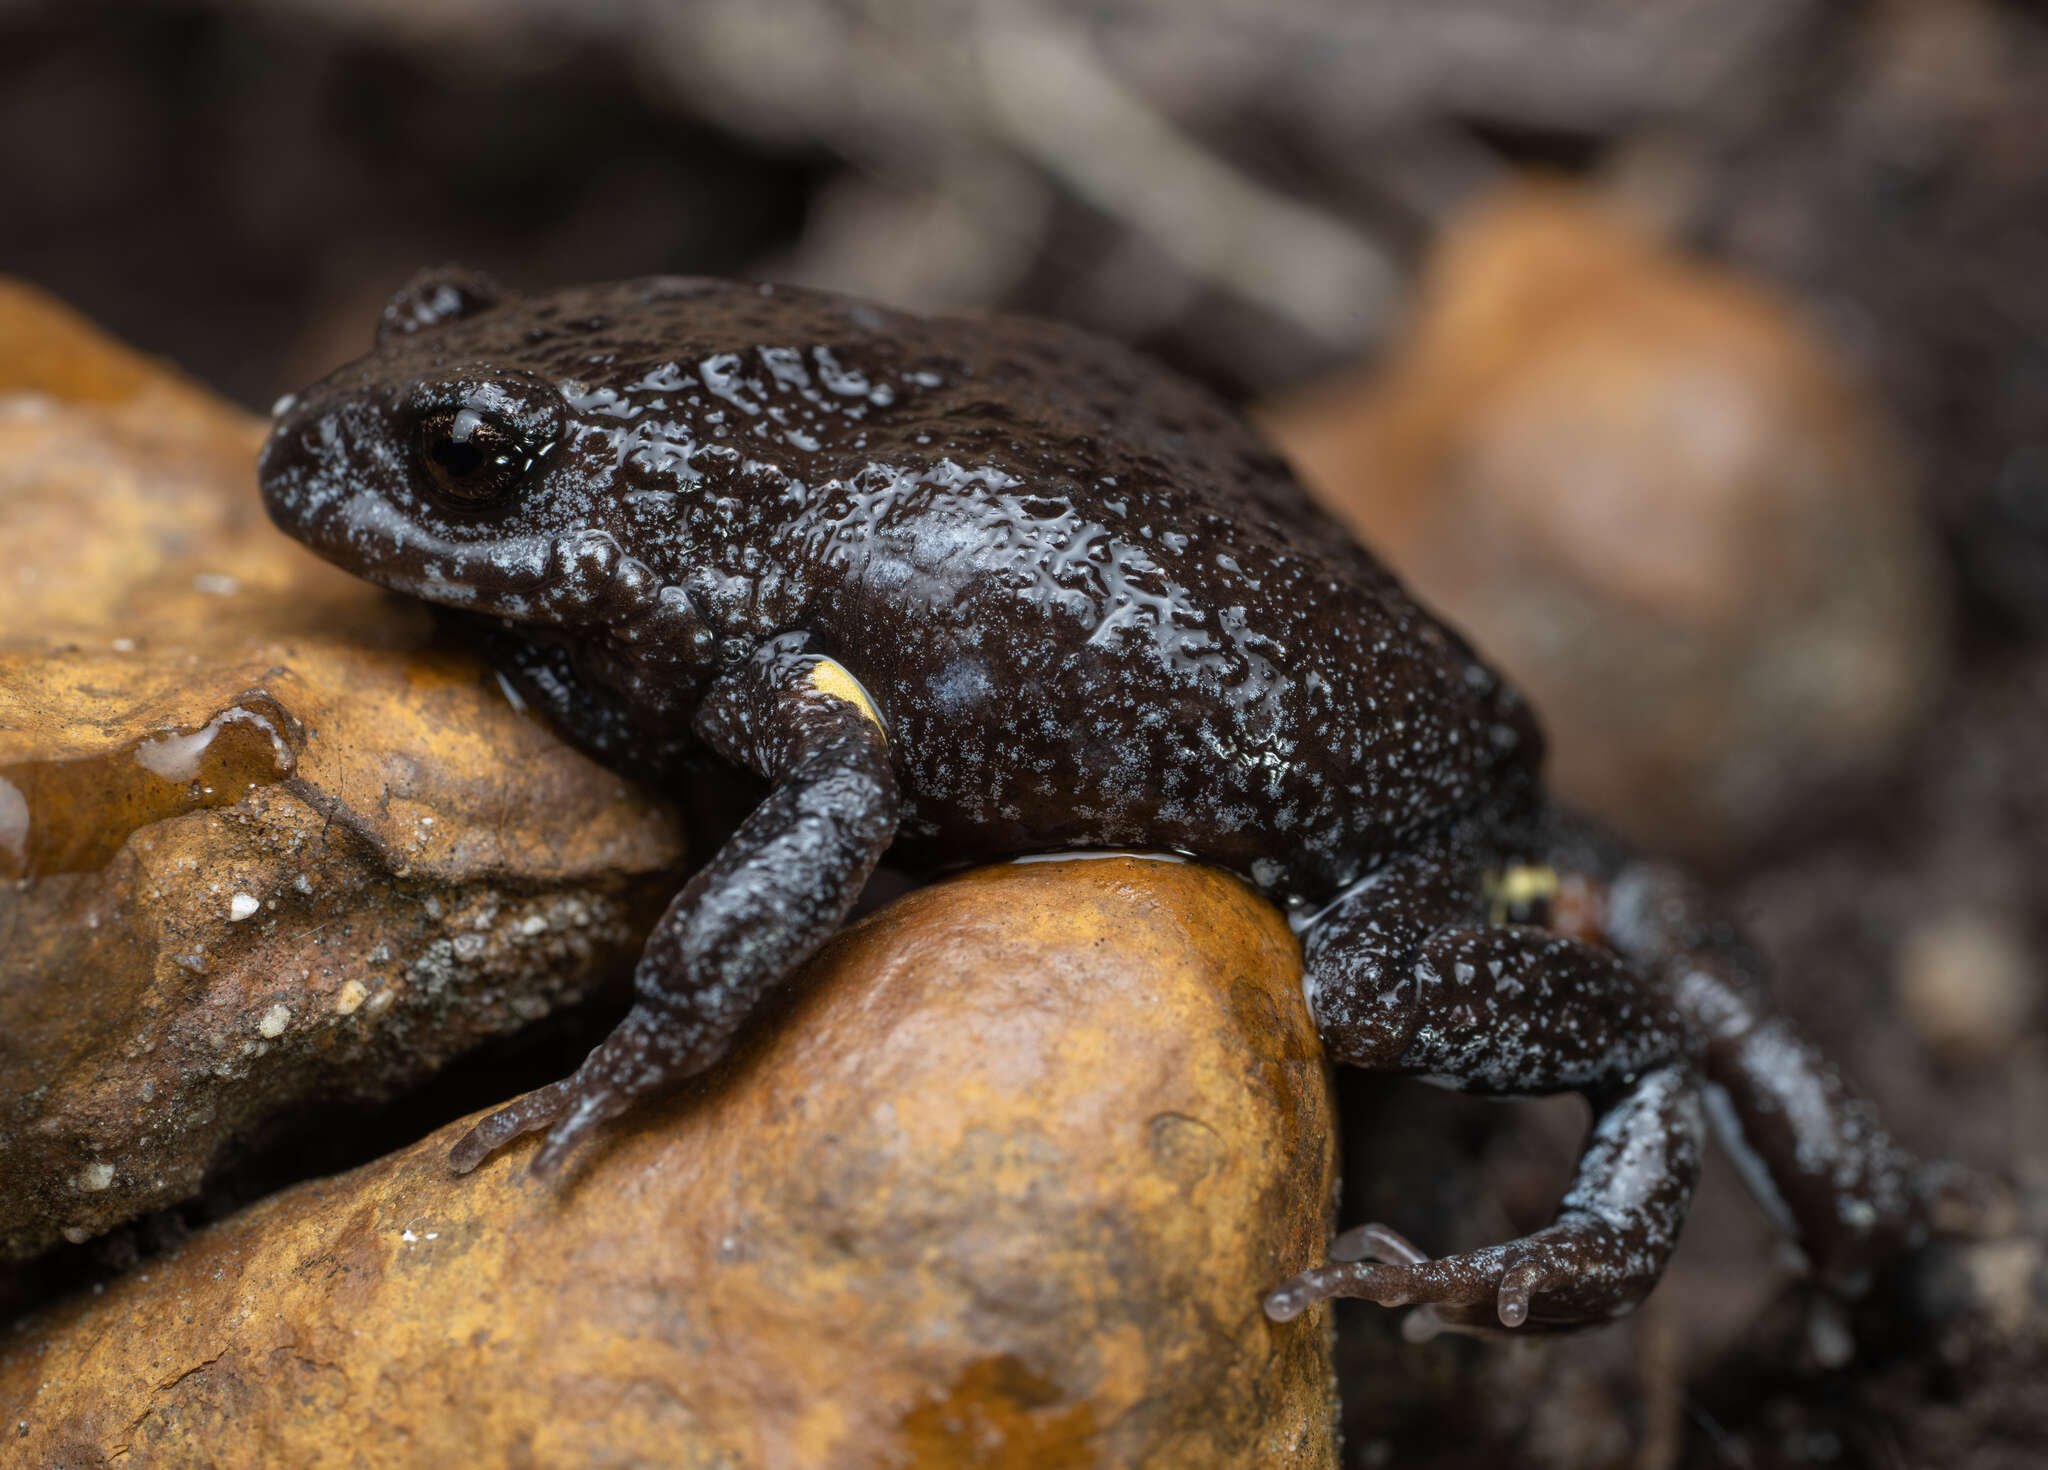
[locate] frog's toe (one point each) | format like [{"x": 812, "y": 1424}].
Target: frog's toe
[
  {"x": 1361, "y": 1260},
  {"x": 525, "y": 1115},
  {"x": 1574, "y": 1274},
  {"x": 624, "y": 1066},
  {"x": 590, "y": 1106},
  {"x": 1376, "y": 1243}
]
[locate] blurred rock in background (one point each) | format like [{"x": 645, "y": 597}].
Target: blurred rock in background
[{"x": 1645, "y": 487}]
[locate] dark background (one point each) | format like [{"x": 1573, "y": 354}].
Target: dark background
[{"x": 233, "y": 185}]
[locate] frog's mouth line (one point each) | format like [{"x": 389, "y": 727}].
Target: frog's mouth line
[
  {"x": 583, "y": 581},
  {"x": 503, "y": 576}
]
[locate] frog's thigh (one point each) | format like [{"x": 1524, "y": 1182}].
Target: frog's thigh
[
  {"x": 1358, "y": 958},
  {"x": 777, "y": 889},
  {"x": 1407, "y": 975}
]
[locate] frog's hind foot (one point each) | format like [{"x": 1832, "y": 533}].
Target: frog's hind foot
[
  {"x": 1579, "y": 1272},
  {"x": 1615, "y": 1229}
]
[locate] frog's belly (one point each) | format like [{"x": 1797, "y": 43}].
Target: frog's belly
[
  {"x": 1302, "y": 774},
  {"x": 1281, "y": 851}
]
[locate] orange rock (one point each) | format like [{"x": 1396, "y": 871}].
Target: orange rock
[
  {"x": 262, "y": 842},
  {"x": 1001, "y": 1188},
  {"x": 53, "y": 350},
  {"x": 1647, "y": 492}
]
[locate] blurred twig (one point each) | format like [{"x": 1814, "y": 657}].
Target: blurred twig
[{"x": 1054, "y": 100}]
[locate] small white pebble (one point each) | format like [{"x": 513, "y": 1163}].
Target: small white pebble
[
  {"x": 275, "y": 1020},
  {"x": 75, "y": 1235},
  {"x": 533, "y": 924},
  {"x": 349, "y": 997},
  {"x": 1968, "y": 980},
  {"x": 123, "y": 645},
  {"x": 241, "y": 906},
  {"x": 216, "y": 584},
  {"x": 303, "y": 884},
  {"x": 408, "y": 1237},
  {"x": 96, "y": 1176},
  {"x": 2000, "y": 1272}
]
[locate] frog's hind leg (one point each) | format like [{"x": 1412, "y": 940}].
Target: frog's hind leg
[
  {"x": 1408, "y": 974},
  {"x": 771, "y": 896},
  {"x": 1809, "y": 1146}
]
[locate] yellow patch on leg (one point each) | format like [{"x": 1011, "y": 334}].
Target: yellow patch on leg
[
  {"x": 1519, "y": 886},
  {"x": 830, "y": 677}
]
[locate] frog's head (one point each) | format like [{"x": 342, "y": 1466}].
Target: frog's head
[{"x": 447, "y": 463}]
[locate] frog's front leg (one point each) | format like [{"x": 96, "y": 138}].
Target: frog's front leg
[
  {"x": 770, "y": 897},
  {"x": 1407, "y": 974}
]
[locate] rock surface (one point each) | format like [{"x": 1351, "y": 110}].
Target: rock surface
[
  {"x": 264, "y": 843},
  {"x": 1646, "y": 491},
  {"x": 1001, "y": 1187}
]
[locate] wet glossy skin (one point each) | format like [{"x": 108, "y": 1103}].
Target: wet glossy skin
[
  {"x": 1089, "y": 605},
  {"x": 996, "y": 587}
]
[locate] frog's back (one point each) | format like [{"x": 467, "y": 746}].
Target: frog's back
[
  {"x": 1106, "y": 613},
  {"x": 830, "y": 381},
  {"x": 1095, "y": 607}
]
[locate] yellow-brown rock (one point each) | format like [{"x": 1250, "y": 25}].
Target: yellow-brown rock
[
  {"x": 1000, "y": 1188},
  {"x": 1648, "y": 492},
  {"x": 263, "y": 842}
]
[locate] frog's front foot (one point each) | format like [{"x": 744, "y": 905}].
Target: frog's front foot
[
  {"x": 1578, "y": 1272},
  {"x": 534, "y": 1111},
  {"x": 601, "y": 1088},
  {"x": 751, "y": 916},
  {"x": 561, "y": 1107}
]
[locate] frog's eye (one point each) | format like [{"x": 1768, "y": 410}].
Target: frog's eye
[
  {"x": 474, "y": 458},
  {"x": 477, "y": 437}
]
